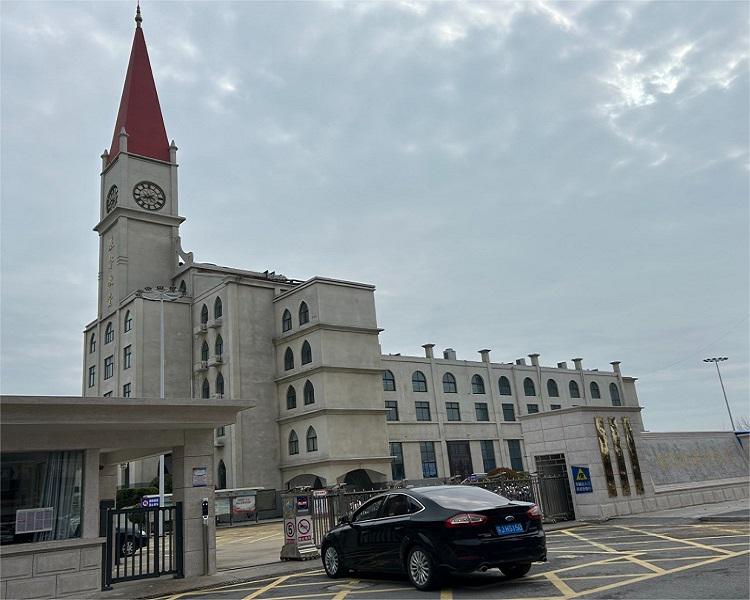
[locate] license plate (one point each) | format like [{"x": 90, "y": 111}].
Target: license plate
[{"x": 509, "y": 528}]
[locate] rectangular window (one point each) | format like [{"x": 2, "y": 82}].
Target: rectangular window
[
  {"x": 554, "y": 407},
  {"x": 92, "y": 376},
  {"x": 459, "y": 459},
  {"x": 397, "y": 466},
  {"x": 509, "y": 413},
  {"x": 392, "y": 408},
  {"x": 516, "y": 459},
  {"x": 482, "y": 413},
  {"x": 220, "y": 431},
  {"x": 488, "y": 455},
  {"x": 41, "y": 496},
  {"x": 126, "y": 355},
  {"x": 126, "y": 391},
  {"x": 429, "y": 464},
  {"x": 453, "y": 411},
  {"x": 109, "y": 367},
  {"x": 423, "y": 410},
  {"x": 532, "y": 409}
]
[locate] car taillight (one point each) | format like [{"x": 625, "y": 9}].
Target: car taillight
[
  {"x": 463, "y": 519},
  {"x": 534, "y": 513}
]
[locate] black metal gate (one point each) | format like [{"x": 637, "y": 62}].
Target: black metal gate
[
  {"x": 554, "y": 487},
  {"x": 141, "y": 543}
]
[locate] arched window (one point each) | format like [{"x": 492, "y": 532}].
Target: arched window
[
  {"x": 220, "y": 384},
  {"x": 477, "y": 385},
  {"x": 449, "y": 384},
  {"x": 286, "y": 321},
  {"x": 418, "y": 382},
  {"x": 128, "y": 324},
  {"x": 389, "y": 381},
  {"x": 304, "y": 314},
  {"x": 575, "y": 391},
  {"x": 183, "y": 291},
  {"x": 109, "y": 333},
  {"x": 204, "y": 350},
  {"x": 219, "y": 346},
  {"x": 291, "y": 398},
  {"x": 205, "y": 390},
  {"x": 503, "y": 385},
  {"x": 595, "y": 393},
  {"x": 92, "y": 343},
  {"x": 552, "y": 390},
  {"x": 309, "y": 393},
  {"x": 306, "y": 353},
  {"x": 614, "y": 394},
  {"x": 204, "y": 314},
  {"x": 222, "y": 475},
  {"x": 293, "y": 442},
  {"x": 528, "y": 387},
  {"x": 312, "y": 439},
  {"x": 288, "y": 359},
  {"x": 217, "y": 308}
]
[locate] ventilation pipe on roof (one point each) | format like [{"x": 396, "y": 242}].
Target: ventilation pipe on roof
[
  {"x": 449, "y": 354},
  {"x": 562, "y": 365},
  {"x": 428, "y": 350},
  {"x": 578, "y": 362},
  {"x": 534, "y": 359},
  {"x": 105, "y": 159},
  {"x": 123, "y": 140},
  {"x": 616, "y": 366},
  {"x": 173, "y": 153},
  {"x": 521, "y": 361},
  {"x": 485, "y": 354}
]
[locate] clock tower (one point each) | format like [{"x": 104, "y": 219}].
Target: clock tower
[{"x": 139, "y": 223}]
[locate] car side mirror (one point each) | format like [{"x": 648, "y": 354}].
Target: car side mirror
[{"x": 345, "y": 520}]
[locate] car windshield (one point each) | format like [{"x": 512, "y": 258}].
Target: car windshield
[{"x": 465, "y": 498}]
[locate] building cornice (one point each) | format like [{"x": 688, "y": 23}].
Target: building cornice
[
  {"x": 139, "y": 156},
  {"x": 588, "y": 409},
  {"x": 294, "y": 335},
  {"x": 331, "y": 411},
  {"x": 322, "y": 461},
  {"x": 325, "y": 369},
  {"x": 137, "y": 215},
  {"x": 326, "y": 281}
]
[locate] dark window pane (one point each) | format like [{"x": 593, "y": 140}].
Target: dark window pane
[
  {"x": 452, "y": 411},
  {"x": 477, "y": 385},
  {"x": 516, "y": 458},
  {"x": 392, "y": 407},
  {"x": 449, "y": 384},
  {"x": 459, "y": 459},
  {"x": 504, "y": 385},
  {"x": 397, "y": 466},
  {"x": 418, "y": 382},
  {"x": 389, "y": 382},
  {"x": 483, "y": 413},
  {"x": 423, "y": 410},
  {"x": 528, "y": 387},
  {"x": 532, "y": 409},
  {"x": 488, "y": 455},
  {"x": 509, "y": 412},
  {"x": 429, "y": 463},
  {"x": 552, "y": 388}
]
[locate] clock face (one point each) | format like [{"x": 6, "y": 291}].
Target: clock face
[
  {"x": 111, "y": 198},
  {"x": 149, "y": 195}
]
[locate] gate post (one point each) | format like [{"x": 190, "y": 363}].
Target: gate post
[
  {"x": 298, "y": 527},
  {"x": 178, "y": 549},
  {"x": 105, "y": 531}
]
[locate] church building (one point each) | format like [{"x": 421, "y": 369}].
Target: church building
[{"x": 328, "y": 406}]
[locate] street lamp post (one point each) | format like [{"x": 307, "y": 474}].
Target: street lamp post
[
  {"x": 160, "y": 294},
  {"x": 716, "y": 361}
]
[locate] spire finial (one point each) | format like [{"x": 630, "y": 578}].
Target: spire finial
[{"x": 138, "y": 18}]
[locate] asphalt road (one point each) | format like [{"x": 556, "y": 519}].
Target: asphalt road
[{"x": 640, "y": 559}]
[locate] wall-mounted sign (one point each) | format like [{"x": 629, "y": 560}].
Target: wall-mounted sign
[
  {"x": 149, "y": 502},
  {"x": 582, "y": 480},
  {"x": 200, "y": 477},
  {"x": 30, "y": 520},
  {"x": 304, "y": 531},
  {"x": 302, "y": 503}
]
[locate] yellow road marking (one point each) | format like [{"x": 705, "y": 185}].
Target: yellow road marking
[
  {"x": 645, "y": 564},
  {"x": 446, "y": 594},
  {"x": 678, "y": 540},
  {"x": 595, "y": 544},
  {"x": 577, "y": 577},
  {"x": 349, "y": 587},
  {"x": 326, "y": 593},
  {"x": 265, "y": 588},
  {"x": 562, "y": 587},
  {"x": 251, "y": 540}
]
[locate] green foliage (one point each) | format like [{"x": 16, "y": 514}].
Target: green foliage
[
  {"x": 506, "y": 473},
  {"x": 167, "y": 483},
  {"x": 127, "y": 497}
]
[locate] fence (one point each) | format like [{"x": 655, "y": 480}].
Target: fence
[{"x": 550, "y": 492}]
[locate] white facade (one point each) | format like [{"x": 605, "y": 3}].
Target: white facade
[{"x": 319, "y": 418}]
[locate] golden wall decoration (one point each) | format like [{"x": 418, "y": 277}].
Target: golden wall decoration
[
  {"x": 633, "y": 455},
  {"x": 619, "y": 457},
  {"x": 606, "y": 460}
]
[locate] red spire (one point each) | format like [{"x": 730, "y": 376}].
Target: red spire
[{"x": 140, "y": 113}]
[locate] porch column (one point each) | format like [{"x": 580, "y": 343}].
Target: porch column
[{"x": 197, "y": 453}]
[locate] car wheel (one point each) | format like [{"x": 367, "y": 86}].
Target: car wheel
[
  {"x": 421, "y": 569},
  {"x": 128, "y": 548},
  {"x": 332, "y": 562},
  {"x": 516, "y": 570}
]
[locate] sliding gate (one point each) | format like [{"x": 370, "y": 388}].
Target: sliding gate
[{"x": 141, "y": 543}]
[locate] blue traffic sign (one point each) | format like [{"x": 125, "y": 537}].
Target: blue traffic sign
[{"x": 582, "y": 480}]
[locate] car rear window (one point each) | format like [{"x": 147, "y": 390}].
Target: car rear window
[{"x": 465, "y": 498}]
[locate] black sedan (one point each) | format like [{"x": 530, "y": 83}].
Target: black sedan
[{"x": 428, "y": 531}]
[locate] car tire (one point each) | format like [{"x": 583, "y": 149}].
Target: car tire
[
  {"x": 515, "y": 570},
  {"x": 422, "y": 569},
  {"x": 128, "y": 547},
  {"x": 333, "y": 563}
]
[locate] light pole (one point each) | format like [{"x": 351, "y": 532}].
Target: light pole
[
  {"x": 160, "y": 294},
  {"x": 716, "y": 361}
]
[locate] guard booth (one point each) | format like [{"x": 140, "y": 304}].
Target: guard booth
[{"x": 299, "y": 535}]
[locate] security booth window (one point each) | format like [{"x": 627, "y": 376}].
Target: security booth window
[{"x": 41, "y": 496}]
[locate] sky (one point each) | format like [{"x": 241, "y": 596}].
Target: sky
[{"x": 569, "y": 179}]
